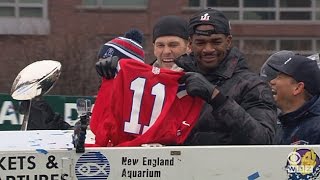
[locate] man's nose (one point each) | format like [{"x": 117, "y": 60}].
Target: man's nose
[
  {"x": 209, "y": 47},
  {"x": 272, "y": 82},
  {"x": 166, "y": 49}
]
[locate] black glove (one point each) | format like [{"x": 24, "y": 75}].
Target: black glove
[
  {"x": 198, "y": 85},
  {"x": 107, "y": 67}
]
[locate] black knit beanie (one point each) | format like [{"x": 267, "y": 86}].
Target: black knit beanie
[{"x": 170, "y": 26}]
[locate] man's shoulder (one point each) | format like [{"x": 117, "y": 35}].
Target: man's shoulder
[
  {"x": 249, "y": 78},
  {"x": 312, "y": 121},
  {"x": 309, "y": 127},
  {"x": 238, "y": 64},
  {"x": 247, "y": 84}
]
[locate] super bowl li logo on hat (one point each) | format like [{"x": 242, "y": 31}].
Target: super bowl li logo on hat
[
  {"x": 109, "y": 53},
  {"x": 205, "y": 17}
]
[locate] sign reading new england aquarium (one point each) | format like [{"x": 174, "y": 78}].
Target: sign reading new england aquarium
[{"x": 10, "y": 119}]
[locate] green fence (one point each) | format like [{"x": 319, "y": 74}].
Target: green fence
[{"x": 10, "y": 119}]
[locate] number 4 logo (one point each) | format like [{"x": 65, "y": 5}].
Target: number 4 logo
[{"x": 138, "y": 85}]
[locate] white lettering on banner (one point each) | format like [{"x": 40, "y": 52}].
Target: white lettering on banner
[
  {"x": 68, "y": 107},
  {"x": 8, "y": 113}
]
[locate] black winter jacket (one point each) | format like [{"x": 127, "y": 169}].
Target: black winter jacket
[
  {"x": 248, "y": 116},
  {"x": 301, "y": 126},
  {"x": 42, "y": 117}
]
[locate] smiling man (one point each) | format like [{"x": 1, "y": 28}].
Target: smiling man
[
  {"x": 296, "y": 90},
  {"x": 170, "y": 40},
  {"x": 240, "y": 108}
]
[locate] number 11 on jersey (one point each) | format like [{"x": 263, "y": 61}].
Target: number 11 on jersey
[{"x": 137, "y": 86}]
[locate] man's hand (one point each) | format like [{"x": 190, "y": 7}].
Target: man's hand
[
  {"x": 107, "y": 67},
  {"x": 198, "y": 85}
]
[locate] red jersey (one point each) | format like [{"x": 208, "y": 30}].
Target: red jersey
[
  {"x": 101, "y": 108},
  {"x": 142, "y": 106}
]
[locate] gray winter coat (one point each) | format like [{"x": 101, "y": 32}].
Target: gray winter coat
[{"x": 248, "y": 116}]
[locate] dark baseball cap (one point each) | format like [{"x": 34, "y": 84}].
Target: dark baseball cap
[
  {"x": 302, "y": 69},
  {"x": 209, "y": 17},
  {"x": 171, "y": 25},
  {"x": 267, "y": 72}
]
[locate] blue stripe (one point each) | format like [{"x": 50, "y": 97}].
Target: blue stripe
[{"x": 254, "y": 176}]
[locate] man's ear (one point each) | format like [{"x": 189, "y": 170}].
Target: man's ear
[
  {"x": 299, "y": 88},
  {"x": 229, "y": 41}
]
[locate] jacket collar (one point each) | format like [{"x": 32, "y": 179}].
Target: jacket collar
[{"x": 311, "y": 107}]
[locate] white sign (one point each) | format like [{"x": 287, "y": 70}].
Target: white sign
[
  {"x": 32, "y": 166},
  {"x": 47, "y": 162}
]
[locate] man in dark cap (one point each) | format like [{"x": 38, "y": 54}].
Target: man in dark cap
[
  {"x": 267, "y": 73},
  {"x": 296, "y": 91},
  {"x": 170, "y": 40},
  {"x": 240, "y": 108}
]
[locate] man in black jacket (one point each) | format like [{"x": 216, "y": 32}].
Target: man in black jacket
[
  {"x": 41, "y": 115},
  {"x": 240, "y": 108}
]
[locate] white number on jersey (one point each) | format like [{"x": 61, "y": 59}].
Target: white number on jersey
[{"x": 158, "y": 90}]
